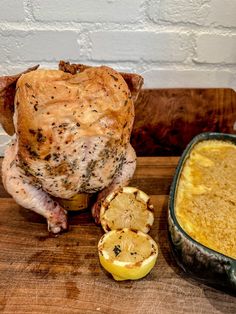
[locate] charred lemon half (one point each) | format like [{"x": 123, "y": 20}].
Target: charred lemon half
[
  {"x": 128, "y": 207},
  {"x": 127, "y": 254}
]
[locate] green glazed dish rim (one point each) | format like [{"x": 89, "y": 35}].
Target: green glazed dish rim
[{"x": 173, "y": 189}]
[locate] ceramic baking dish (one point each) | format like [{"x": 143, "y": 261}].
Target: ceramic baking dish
[{"x": 193, "y": 257}]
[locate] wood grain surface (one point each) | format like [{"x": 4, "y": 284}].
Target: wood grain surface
[
  {"x": 167, "y": 119},
  {"x": 44, "y": 274}
]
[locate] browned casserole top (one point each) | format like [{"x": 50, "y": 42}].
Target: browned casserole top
[{"x": 206, "y": 196}]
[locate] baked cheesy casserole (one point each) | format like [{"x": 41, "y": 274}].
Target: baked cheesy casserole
[{"x": 206, "y": 196}]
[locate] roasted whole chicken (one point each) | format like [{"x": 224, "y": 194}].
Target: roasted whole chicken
[{"x": 72, "y": 130}]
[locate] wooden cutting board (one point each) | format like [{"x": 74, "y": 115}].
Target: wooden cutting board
[{"x": 44, "y": 274}]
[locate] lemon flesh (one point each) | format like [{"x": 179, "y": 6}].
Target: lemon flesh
[
  {"x": 127, "y": 208},
  {"x": 127, "y": 254}
]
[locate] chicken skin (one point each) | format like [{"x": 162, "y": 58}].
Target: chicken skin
[{"x": 72, "y": 136}]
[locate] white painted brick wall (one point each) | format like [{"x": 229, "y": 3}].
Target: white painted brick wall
[
  {"x": 184, "y": 11},
  {"x": 200, "y": 12},
  {"x": 222, "y": 13},
  {"x": 184, "y": 43},
  {"x": 87, "y": 10},
  {"x": 12, "y": 11},
  {"x": 122, "y": 46},
  {"x": 188, "y": 78},
  {"x": 220, "y": 49},
  {"x": 36, "y": 45}
]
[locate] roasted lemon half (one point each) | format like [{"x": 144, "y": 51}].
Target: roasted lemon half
[
  {"x": 127, "y": 208},
  {"x": 127, "y": 254}
]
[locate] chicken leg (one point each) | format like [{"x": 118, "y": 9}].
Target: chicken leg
[
  {"x": 122, "y": 178},
  {"x": 30, "y": 196}
]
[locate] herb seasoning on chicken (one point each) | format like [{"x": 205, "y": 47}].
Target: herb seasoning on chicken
[{"x": 72, "y": 128}]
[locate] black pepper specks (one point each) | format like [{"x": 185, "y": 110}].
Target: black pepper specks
[
  {"x": 31, "y": 151},
  {"x": 40, "y": 137},
  {"x": 114, "y": 77},
  {"x": 117, "y": 250},
  {"x": 33, "y": 132},
  {"x": 47, "y": 157}
]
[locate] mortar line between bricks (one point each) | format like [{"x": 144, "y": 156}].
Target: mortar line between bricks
[
  {"x": 191, "y": 25},
  {"x": 76, "y": 26},
  {"x": 28, "y": 11}
]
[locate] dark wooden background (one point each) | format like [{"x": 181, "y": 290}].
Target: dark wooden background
[{"x": 167, "y": 119}]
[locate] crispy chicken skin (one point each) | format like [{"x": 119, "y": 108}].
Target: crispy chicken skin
[
  {"x": 73, "y": 129},
  {"x": 7, "y": 94}
]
